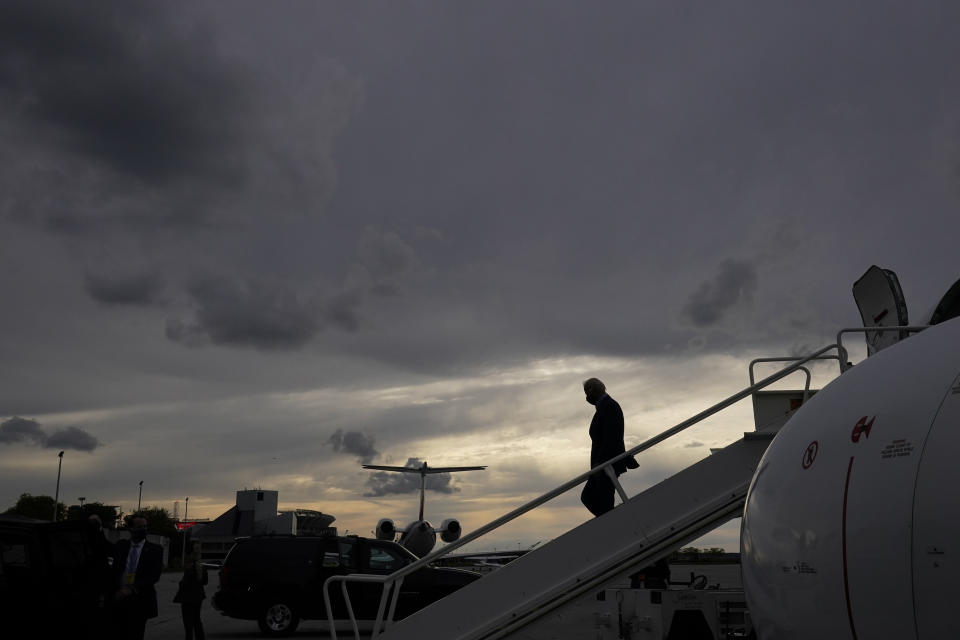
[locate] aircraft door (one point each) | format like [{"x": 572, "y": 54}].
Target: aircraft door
[
  {"x": 881, "y": 303},
  {"x": 936, "y": 547}
]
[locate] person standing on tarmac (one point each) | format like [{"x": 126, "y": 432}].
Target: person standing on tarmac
[{"x": 190, "y": 594}]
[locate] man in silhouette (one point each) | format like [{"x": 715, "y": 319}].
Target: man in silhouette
[
  {"x": 137, "y": 564},
  {"x": 606, "y": 437},
  {"x": 99, "y": 577}
]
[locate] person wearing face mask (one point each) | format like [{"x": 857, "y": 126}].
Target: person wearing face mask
[
  {"x": 606, "y": 441},
  {"x": 137, "y": 565}
]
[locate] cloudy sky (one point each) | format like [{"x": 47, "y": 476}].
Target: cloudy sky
[{"x": 248, "y": 244}]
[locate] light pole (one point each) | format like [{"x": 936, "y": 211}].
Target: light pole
[
  {"x": 183, "y": 550},
  {"x": 56, "y": 496},
  {"x": 139, "y": 496},
  {"x": 81, "y": 499}
]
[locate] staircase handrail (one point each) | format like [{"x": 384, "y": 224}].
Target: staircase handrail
[{"x": 842, "y": 351}]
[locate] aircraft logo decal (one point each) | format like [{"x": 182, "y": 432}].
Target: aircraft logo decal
[
  {"x": 810, "y": 454},
  {"x": 862, "y": 428}
]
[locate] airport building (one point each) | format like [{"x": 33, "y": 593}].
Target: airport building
[{"x": 255, "y": 513}]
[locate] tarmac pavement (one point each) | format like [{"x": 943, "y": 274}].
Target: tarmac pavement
[
  {"x": 168, "y": 625},
  {"x": 577, "y": 621}
]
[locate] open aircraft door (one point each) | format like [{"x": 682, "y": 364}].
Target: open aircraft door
[{"x": 881, "y": 303}]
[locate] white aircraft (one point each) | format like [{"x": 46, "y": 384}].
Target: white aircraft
[
  {"x": 852, "y": 523},
  {"x": 419, "y": 536}
]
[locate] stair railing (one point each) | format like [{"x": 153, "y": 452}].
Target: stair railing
[{"x": 842, "y": 352}]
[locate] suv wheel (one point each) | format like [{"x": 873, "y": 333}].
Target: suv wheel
[{"x": 278, "y": 619}]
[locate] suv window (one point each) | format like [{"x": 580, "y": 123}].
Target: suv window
[
  {"x": 265, "y": 554},
  {"x": 346, "y": 553},
  {"x": 337, "y": 554},
  {"x": 383, "y": 559},
  {"x": 14, "y": 554}
]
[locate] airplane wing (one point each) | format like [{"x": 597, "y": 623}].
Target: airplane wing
[
  {"x": 383, "y": 467},
  {"x": 428, "y": 470}
]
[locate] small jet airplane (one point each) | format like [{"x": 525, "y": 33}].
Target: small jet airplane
[{"x": 419, "y": 536}]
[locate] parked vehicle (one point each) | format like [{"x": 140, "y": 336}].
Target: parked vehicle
[
  {"x": 48, "y": 577},
  {"x": 278, "y": 580}
]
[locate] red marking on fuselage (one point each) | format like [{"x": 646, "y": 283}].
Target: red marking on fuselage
[
  {"x": 810, "y": 454},
  {"x": 862, "y": 427},
  {"x": 846, "y": 582}
]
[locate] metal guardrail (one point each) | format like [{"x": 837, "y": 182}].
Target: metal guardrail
[
  {"x": 806, "y": 386},
  {"x": 391, "y": 583},
  {"x": 842, "y": 352}
]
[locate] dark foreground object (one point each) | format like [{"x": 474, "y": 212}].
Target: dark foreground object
[
  {"x": 51, "y": 579},
  {"x": 278, "y": 580}
]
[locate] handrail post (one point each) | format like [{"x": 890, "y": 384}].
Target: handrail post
[
  {"x": 353, "y": 619},
  {"x": 395, "y": 597},
  {"x": 391, "y": 592},
  {"x": 842, "y": 352},
  {"x": 329, "y": 608},
  {"x": 843, "y": 356},
  {"x": 608, "y": 469},
  {"x": 387, "y": 586}
]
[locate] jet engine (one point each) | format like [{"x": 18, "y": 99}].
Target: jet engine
[
  {"x": 851, "y": 527},
  {"x": 449, "y": 530},
  {"x": 386, "y": 530}
]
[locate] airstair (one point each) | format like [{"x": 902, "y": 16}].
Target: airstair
[
  {"x": 647, "y": 527},
  {"x": 635, "y": 534}
]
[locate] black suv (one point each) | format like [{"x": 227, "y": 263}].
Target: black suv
[
  {"x": 278, "y": 580},
  {"x": 49, "y": 577}
]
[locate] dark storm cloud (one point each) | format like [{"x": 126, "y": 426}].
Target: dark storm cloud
[
  {"x": 71, "y": 438},
  {"x": 383, "y": 483},
  {"x": 126, "y": 118},
  {"x": 239, "y": 311},
  {"x": 246, "y": 313},
  {"x": 129, "y": 289},
  {"x": 353, "y": 443},
  {"x": 733, "y": 285},
  {"x": 17, "y": 429},
  {"x": 115, "y": 82}
]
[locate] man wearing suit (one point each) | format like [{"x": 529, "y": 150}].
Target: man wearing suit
[
  {"x": 606, "y": 437},
  {"x": 137, "y": 565}
]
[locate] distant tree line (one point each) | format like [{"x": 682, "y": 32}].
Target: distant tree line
[{"x": 159, "y": 520}]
